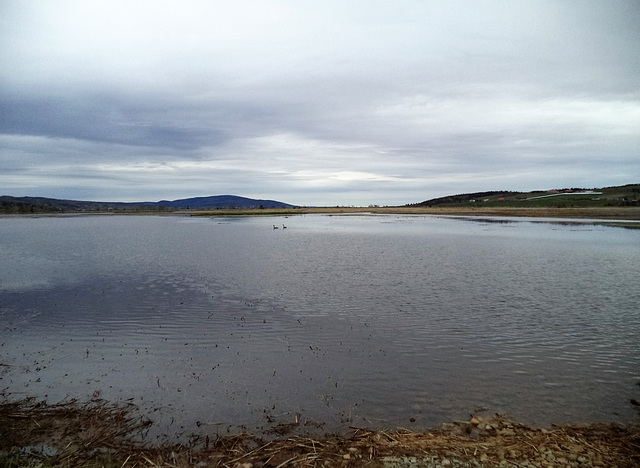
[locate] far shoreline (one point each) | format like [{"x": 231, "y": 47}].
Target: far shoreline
[
  {"x": 605, "y": 213},
  {"x": 627, "y": 217}
]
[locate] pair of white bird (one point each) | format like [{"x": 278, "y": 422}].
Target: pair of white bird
[{"x": 276, "y": 227}]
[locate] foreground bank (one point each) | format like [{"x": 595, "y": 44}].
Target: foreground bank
[{"x": 98, "y": 433}]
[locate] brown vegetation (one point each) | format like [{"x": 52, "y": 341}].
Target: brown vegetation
[
  {"x": 609, "y": 214},
  {"x": 102, "y": 434}
]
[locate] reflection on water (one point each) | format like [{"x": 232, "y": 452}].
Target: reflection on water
[{"x": 211, "y": 324}]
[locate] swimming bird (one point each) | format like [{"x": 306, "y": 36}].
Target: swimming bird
[
  {"x": 275, "y": 227},
  {"x": 284, "y": 227}
]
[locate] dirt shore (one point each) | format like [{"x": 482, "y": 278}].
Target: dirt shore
[
  {"x": 596, "y": 213},
  {"x": 601, "y": 215},
  {"x": 101, "y": 434}
]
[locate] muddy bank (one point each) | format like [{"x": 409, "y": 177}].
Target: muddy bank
[
  {"x": 98, "y": 433},
  {"x": 596, "y": 213}
]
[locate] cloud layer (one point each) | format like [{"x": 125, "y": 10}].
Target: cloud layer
[{"x": 316, "y": 103}]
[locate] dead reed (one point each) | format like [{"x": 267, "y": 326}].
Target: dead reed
[{"x": 99, "y": 433}]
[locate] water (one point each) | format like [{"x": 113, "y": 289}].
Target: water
[{"x": 212, "y": 325}]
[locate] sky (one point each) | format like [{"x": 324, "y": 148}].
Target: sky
[{"x": 316, "y": 103}]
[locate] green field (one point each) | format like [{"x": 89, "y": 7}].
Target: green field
[{"x": 626, "y": 195}]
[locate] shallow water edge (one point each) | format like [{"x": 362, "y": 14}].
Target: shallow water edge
[{"x": 378, "y": 321}]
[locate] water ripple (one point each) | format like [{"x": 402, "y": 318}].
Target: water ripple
[{"x": 344, "y": 320}]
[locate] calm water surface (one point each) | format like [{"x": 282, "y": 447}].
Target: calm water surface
[{"x": 210, "y": 324}]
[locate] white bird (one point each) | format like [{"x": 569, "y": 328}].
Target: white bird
[
  {"x": 275, "y": 227},
  {"x": 284, "y": 227}
]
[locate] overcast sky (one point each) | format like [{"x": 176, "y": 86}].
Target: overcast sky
[{"x": 316, "y": 102}]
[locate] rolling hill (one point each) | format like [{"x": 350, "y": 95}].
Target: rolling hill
[
  {"x": 625, "y": 195},
  {"x": 9, "y": 205}
]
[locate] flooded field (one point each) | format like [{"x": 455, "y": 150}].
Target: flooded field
[{"x": 212, "y": 325}]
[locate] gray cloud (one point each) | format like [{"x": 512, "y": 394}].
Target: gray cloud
[
  {"x": 327, "y": 103},
  {"x": 103, "y": 119}
]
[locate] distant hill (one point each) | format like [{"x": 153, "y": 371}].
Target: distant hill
[
  {"x": 17, "y": 205},
  {"x": 222, "y": 202},
  {"x": 624, "y": 195}
]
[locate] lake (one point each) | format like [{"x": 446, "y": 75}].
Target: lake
[{"x": 215, "y": 325}]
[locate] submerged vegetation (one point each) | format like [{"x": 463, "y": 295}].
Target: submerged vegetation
[{"x": 101, "y": 434}]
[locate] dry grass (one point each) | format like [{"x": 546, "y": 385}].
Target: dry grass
[
  {"x": 612, "y": 213},
  {"x": 101, "y": 434},
  {"x": 69, "y": 431},
  {"x": 608, "y": 213}
]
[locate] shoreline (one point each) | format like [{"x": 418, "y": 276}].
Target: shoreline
[
  {"x": 99, "y": 433},
  {"x": 628, "y": 218},
  {"x": 631, "y": 214},
  {"x": 596, "y": 213}
]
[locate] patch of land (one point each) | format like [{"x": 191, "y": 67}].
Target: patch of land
[
  {"x": 618, "y": 196},
  {"x": 610, "y": 203},
  {"x": 626, "y": 217},
  {"x": 613, "y": 213},
  {"x": 612, "y": 206},
  {"x": 34, "y": 205},
  {"x": 100, "y": 434},
  {"x": 546, "y": 202}
]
